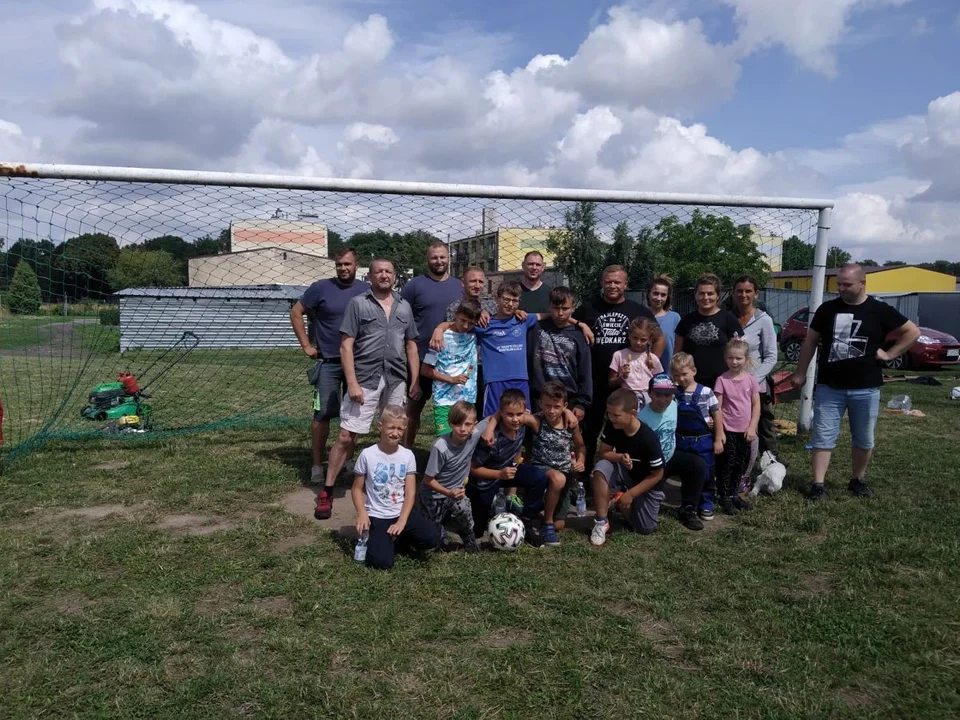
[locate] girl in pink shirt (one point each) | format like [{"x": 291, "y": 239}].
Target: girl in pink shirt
[
  {"x": 635, "y": 366},
  {"x": 738, "y": 393}
]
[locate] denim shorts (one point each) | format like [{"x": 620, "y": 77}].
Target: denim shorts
[
  {"x": 829, "y": 404},
  {"x": 331, "y": 385}
]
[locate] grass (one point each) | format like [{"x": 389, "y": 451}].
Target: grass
[
  {"x": 17, "y": 331},
  {"x": 846, "y": 608}
]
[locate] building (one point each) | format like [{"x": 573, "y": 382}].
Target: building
[
  {"x": 238, "y": 317},
  {"x": 770, "y": 245},
  {"x": 499, "y": 250},
  {"x": 302, "y": 235},
  {"x": 259, "y": 266},
  {"x": 893, "y": 279}
]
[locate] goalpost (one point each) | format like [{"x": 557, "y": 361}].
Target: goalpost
[{"x": 185, "y": 279}]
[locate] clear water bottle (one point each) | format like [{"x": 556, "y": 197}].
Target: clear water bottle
[
  {"x": 581, "y": 500},
  {"x": 500, "y": 502},
  {"x": 901, "y": 403},
  {"x": 360, "y": 552}
]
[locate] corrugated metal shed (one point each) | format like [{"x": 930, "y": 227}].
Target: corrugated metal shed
[{"x": 230, "y": 317}]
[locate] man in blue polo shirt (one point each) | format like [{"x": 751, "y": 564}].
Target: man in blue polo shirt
[{"x": 324, "y": 303}]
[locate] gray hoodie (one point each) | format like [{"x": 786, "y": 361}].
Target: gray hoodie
[{"x": 762, "y": 338}]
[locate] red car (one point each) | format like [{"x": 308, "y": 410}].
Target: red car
[{"x": 932, "y": 349}]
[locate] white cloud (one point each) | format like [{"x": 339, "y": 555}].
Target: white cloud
[
  {"x": 633, "y": 60},
  {"x": 934, "y": 150},
  {"x": 15, "y": 145},
  {"x": 810, "y": 30}
]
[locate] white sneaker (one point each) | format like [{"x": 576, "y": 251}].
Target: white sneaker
[
  {"x": 599, "y": 534},
  {"x": 318, "y": 474}
]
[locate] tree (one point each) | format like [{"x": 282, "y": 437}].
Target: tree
[
  {"x": 707, "y": 243},
  {"x": 869, "y": 263},
  {"x": 577, "y": 251},
  {"x": 136, "y": 267},
  {"x": 944, "y": 266},
  {"x": 207, "y": 245},
  {"x": 407, "y": 250},
  {"x": 178, "y": 248},
  {"x": 39, "y": 255},
  {"x": 82, "y": 263},
  {"x": 837, "y": 257},
  {"x": 796, "y": 254},
  {"x": 334, "y": 243},
  {"x": 893, "y": 263},
  {"x": 23, "y": 296},
  {"x": 637, "y": 256}
]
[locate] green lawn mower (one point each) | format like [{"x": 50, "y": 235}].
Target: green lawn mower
[{"x": 123, "y": 402}]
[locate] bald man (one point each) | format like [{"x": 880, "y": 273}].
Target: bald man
[{"x": 850, "y": 334}]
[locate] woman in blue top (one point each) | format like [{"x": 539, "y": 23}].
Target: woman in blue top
[{"x": 659, "y": 298}]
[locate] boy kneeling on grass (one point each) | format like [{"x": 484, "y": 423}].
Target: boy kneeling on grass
[
  {"x": 444, "y": 496},
  {"x": 495, "y": 466},
  {"x": 384, "y": 492},
  {"x": 631, "y": 462}
]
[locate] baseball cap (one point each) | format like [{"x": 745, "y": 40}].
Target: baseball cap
[{"x": 662, "y": 383}]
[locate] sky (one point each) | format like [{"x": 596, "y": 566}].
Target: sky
[{"x": 854, "y": 100}]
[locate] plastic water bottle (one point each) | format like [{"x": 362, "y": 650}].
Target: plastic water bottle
[
  {"x": 901, "y": 403},
  {"x": 581, "y": 500},
  {"x": 500, "y": 502},
  {"x": 360, "y": 552}
]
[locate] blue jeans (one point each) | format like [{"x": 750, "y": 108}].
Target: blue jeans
[
  {"x": 531, "y": 480},
  {"x": 829, "y": 404}
]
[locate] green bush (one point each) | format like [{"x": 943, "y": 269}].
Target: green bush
[
  {"x": 23, "y": 296},
  {"x": 110, "y": 315}
]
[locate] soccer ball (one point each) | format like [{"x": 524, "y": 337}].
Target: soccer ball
[
  {"x": 955, "y": 393},
  {"x": 506, "y": 532}
]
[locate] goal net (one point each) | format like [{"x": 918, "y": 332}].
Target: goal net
[{"x": 185, "y": 281}]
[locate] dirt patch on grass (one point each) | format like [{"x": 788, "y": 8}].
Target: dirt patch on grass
[
  {"x": 286, "y": 545},
  {"x": 244, "y": 634},
  {"x": 99, "y": 512},
  {"x": 111, "y": 465},
  {"x": 219, "y": 599},
  {"x": 664, "y": 638},
  {"x": 183, "y": 525},
  {"x": 276, "y": 605},
  {"x": 856, "y": 697},
  {"x": 303, "y": 501},
  {"x": 71, "y": 603},
  {"x": 813, "y": 585},
  {"x": 501, "y": 639}
]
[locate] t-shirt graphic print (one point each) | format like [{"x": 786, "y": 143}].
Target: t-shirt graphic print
[
  {"x": 847, "y": 344},
  {"x": 705, "y": 333}
]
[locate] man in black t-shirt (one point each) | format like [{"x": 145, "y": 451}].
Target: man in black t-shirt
[
  {"x": 850, "y": 333},
  {"x": 631, "y": 463},
  {"x": 609, "y": 318}
]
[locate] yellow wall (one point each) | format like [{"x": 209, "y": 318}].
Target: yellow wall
[
  {"x": 896, "y": 279},
  {"x": 514, "y": 243},
  {"x": 910, "y": 279}
]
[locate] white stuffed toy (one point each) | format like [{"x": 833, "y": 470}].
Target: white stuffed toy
[{"x": 771, "y": 475}]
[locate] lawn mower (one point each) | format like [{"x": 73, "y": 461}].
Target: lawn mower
[{"x": 122, "y": 402}]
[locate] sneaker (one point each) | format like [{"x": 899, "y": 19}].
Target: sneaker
[
  {"x": 471, "y": 546},
  {"x": 817, "y": 492},
  {"x": 689, "y": 519},
  {"x": 858, "y": 487},
  {"x": 318, "y": 473},
  {"x": 727, "y": 506},
  {"x": 599, "y": 534},
  {"x": 530, "y": 534},
  {"x": 324, "y": 508},
  {"x": 705, "y": 514},
  {"x": 741, "y": 503},
  {"x": 549, "y": 535},
  {"x": 514, "y": 505}
]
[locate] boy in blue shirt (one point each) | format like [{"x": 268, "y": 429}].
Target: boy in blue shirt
[
  {"x": 503, "y": 348},
  {"x": 453, "y": 369}
]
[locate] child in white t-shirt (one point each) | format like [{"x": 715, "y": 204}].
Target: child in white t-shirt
[{"x": 384, "y": 493}]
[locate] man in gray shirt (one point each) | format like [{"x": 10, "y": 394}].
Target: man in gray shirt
[{"x": 378, "y": 351}]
